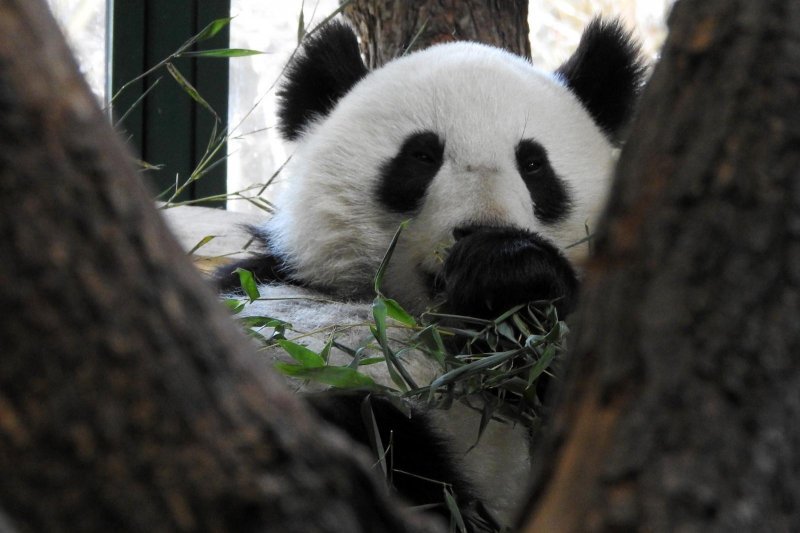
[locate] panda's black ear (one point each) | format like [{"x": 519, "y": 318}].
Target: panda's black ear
[
  {"x": 606, "y": 73},
  {"x": 327, "y": 65}
]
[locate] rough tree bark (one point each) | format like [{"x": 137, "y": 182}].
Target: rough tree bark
[
  {"x": 388, "y": 28},
  {"x": 128, "y": 401},
  {"x": 683, "y": 409}
]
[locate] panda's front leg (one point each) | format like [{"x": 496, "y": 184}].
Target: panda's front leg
[{"x": 491, "y": 269}]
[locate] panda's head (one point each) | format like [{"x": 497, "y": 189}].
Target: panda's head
[{"x": 498, "y": 166}]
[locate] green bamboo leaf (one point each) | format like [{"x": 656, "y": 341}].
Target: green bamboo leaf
[
  {"x": 507, "y": 314},
  {"x": 222, "y": 52},
  {"x": 326, "y": 350},
  {"x": 212, "y": 29},
  {"x": 335, "y": 376},
  {"x": 234, "y": 305},
  {"x": 248, "y": 283},
  {"x": 473, "y": 368},
  {"x": 371, "y": 425},
  {"x": 556, "y": 333},
  {"x": 189, "y": 89},
  {"x": 551, "y": 314},
  {"x": 257, "y": 335},
  {"x": 455, "y": 512},
  {"x": 263, "y": 322},
  {"x": 492, "y": 340},
  {"x": 387, "y": 256},
  {"x": 396, "y": 311},
  {"x": 542, "y": 364},
  {"x": 379, "y": 313},
  {"x": 301, "y": 26},
  {"x": 521, "y": 325},
  {"x": 307, "y": 358},
  {"x": 505, "y": 330},
  {"x": 433, "y": 341},
  {"x": 205, "y": 240}
]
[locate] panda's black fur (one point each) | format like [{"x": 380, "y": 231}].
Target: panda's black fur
[
  {"x": 522, "y": 263},
  {"x": 502, "y": 177},
  {"x": 327, "y": 67},
  {"x": 419, "y": 463},
  {"x": 606, "y": 52}
]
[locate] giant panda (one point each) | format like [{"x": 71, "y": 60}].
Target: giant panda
[{"x": 497, "y": 167}]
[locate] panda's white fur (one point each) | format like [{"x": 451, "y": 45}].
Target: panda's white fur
[
  {"x": 482, "y": 100},
  {"x": 330, "y": 231}
]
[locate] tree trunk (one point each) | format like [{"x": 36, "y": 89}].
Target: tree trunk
[
  {"x": 684, "y": 399},
  {"x": 128, "y": 400},
  {"x": 390, "y": 28}
]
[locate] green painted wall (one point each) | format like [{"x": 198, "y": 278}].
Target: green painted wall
[{"x": 167, "y": 128}]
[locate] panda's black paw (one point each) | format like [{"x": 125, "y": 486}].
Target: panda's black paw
[{"x": 491, "y": 269}]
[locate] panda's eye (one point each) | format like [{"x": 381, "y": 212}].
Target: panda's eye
[
  {"x": 423, "y": 157},
  {"x": 533, "y": 166},
  {"x": 531, "y": 158},
  {"x": 405, "y": 177},
  {"x": 551, "y": 199}
]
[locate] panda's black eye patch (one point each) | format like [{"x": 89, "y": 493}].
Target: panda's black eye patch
[
  {"x": 551, "y": 201},
  {"x": 405, "y": 178},
  {"x": 424, "y": 157}
]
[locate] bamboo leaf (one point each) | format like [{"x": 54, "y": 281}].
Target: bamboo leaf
[
  {"x": 510, "y": 312},
  {"x": 326, "y": 350},
  {"x": 234, "y": 305},
  {"x": 301, "y": 26},
  {"x": 263, "y": 322},
  {"x": 205, "y": 240},
  {"x": 387, "y": 256},
  {"x": 542, "y": 364},
  {"x": 306, "y": 357},
  {"x": 556, "y": 333},
  {"x": 473, "y": 368},
  {"x": 396, "y": 311},
  {"x": 257, "y": 335},
  {"x": 433, "y": 340},
  {"x": 379, "y": 314},
  {"x": 222, "y": 52},
  {"x": 371, "y": 424},
  {"x": 336, "y": 376},
  {"x": 505, "y": 330},
  {"x": 455, "y": 512},
  {"x": 189, "y": 89},
  {"x": 213, "y": 28},
  {"x": 520, "y": 325},
  {"x": 397, "y": 371},
  {"x": 248, "y": 284}
]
